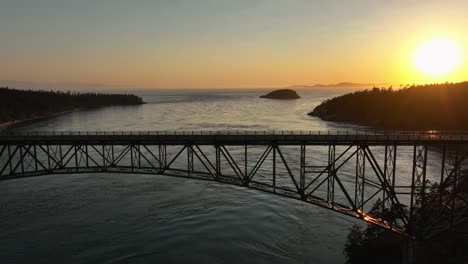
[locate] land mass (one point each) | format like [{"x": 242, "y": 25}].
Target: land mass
[
  {"x": 422, "y": 107},
  {"x": 338, "y": 85},
  {"x": 284, "y": 94},
  {"x": 17, "y": 105}
]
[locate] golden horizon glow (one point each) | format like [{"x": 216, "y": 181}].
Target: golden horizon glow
[
  {"x": 437, "y": 57},
  {"x": 232, "y": 44}
]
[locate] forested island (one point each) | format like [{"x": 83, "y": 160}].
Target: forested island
[
  {"x": 284, "y": 94},
  {"x": 424, "y": 107},
  {"x": 17, "y": 105}
]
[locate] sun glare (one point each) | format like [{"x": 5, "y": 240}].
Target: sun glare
[{"x": 437, "y": 57}]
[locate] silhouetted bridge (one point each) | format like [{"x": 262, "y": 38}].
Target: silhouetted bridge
[{"x": 354, "y": 173}]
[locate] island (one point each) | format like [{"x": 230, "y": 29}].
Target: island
[
  {"x": 415, "y": 107},
  {"x": 20, "y": 105},
  {"x": 282, "y": 94}
]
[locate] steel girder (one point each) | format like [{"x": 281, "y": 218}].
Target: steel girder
[{"x": 369, "y": 193}]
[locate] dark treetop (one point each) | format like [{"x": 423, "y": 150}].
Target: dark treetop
[
  {"x": 282, "y": 94},
  {"x": 26, "y": 104},
  {"x": 428, "y": 107}
]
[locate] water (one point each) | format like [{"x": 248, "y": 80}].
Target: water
[
  {"x": 201, "y": 110},
  {"x": 118, "y": 218}
]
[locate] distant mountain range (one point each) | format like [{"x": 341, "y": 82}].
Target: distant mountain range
[
  {"x": 25, "y": 85},
  {"x": 341, "y": 85}
]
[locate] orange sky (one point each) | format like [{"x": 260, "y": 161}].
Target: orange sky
[{"x": 212, "y": 44}]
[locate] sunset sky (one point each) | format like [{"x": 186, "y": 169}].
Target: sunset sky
[{"x": 226, "y": 43}]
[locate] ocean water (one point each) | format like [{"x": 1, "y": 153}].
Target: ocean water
[
  {"x": 201, "y": 110},
  {"x": 119, "y": 218}
]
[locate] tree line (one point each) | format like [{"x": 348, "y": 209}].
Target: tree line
[
  {"x": 26, "y": 104},
  {"x": 431, "y": 106}
]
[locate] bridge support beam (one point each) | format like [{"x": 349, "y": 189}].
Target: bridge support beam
[
  {"x": 360, "y": 179},
  {"x": 331, "y": 172},
  {"x": 337, "y": 175},
  {"x": 390, "y": 160}
]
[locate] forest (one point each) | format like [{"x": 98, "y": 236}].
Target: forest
[
  {"x": 16, "y": 105},
  {"x": 418, "y": 107}
]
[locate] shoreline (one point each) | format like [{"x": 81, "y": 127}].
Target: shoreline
[
  {"x": 389, "y": 127},
  {"x": 7, "y": 125},
  {"x": 412, "y": 108},
  {"x": 21, "y": 106}
]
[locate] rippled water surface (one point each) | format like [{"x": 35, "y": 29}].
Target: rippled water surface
[{"x": 118, "y": 218}]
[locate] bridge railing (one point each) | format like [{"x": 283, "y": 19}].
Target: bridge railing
[
  {"x": 234, "y": 132},
  {"x": 236, "y": 135}
]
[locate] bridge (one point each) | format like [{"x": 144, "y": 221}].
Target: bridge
[{"x": 379, "y": 177}]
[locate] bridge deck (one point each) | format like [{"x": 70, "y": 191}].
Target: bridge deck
[{"x": 235, "y": 138}]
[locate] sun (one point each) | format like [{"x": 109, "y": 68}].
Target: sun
[{"x": 437, "y": 57}]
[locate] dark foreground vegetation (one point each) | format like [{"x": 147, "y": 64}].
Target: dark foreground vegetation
[
  {"x": 18, "y": 105},
  {"x": 425, "y": 107},
  {"x": 282, "y": 94},
  {"x": 376, "y": 245}
]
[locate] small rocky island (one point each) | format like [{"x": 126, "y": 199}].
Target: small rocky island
[{"x": 283, "y": 94}]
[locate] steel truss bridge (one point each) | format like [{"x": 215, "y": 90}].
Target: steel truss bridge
[{"x": 381, "y": 178}]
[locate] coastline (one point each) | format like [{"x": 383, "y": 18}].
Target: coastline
[
  {"x": 417, "y": 107},
  {"x": 379, "y": 125},
  {"x": 7, "y": 125},
  {"x": 20, "y": 106}
]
